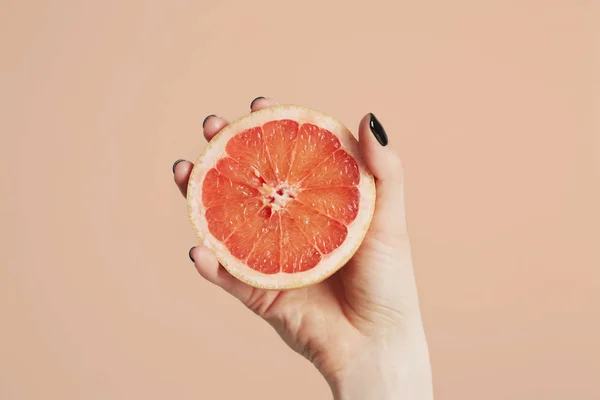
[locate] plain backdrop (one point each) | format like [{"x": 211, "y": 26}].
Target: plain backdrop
[{"x": 492, "y": 104}]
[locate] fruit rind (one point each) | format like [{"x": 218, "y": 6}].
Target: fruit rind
[{"x": 330, "y": 263}]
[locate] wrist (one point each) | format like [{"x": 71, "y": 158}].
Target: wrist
[{"x": 390, "y": 371}]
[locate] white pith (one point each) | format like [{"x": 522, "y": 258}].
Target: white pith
[{"x": 329, "y": 263}]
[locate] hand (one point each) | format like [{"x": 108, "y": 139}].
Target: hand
[{"x": 362, "y": 326}]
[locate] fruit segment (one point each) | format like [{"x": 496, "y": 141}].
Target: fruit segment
[
  {"x": 339, "y": 203},
  {"x": 266, "y": 256},
  {"x": 248, "y": 148},
  {"x": 241, "y": 242},
  {"x": 223, "y": 219},
  {"x": 340, "y": 169},
  {"x": 324, "y": 233},
  {"x": 238, "y": 172},
  {"x": 280, "y": 139},
  {"x": 313, "y": 146},
  {"x": 218, "y": 189},
  {"x": 298, "y": 254}
]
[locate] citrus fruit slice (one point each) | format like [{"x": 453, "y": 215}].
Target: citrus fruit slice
[{"x": 282, "y": 197}]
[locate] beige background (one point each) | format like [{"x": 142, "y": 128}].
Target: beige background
[{"x": 492, "y": 105}]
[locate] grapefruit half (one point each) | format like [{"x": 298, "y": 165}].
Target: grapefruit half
[{"x": 282, "y": 197}]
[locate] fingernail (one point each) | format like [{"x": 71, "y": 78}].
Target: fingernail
[
  {"x": 177, "y": 162},
  {"x": 258, "y": 98},
  {"x": 190, "y": 254},
  {"x": 207, "y": 118},
  {"x": 378, "y": 131}
]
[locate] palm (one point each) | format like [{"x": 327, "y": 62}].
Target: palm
[
  {"x": 330, "y": 321},
  {"x": 315, "y": 321}
]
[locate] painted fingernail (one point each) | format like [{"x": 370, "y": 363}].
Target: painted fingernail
[
  {"x": 190, "y": 254},
  {"x": 378, "y": 130},
  {"x": 258, "y": 98},
  {"x": 207, "y": 118},
  {"x": 177, "y": 162}
]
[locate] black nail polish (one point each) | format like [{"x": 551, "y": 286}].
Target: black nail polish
[
  {"x": 258, "y": 98},
  {"x": 378, "y": 131},
  {"x": 190, "y": 254},
  {"x": 207, "y": 118},
  {"x": 177, "y": 162}
]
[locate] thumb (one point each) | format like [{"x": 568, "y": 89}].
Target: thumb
[
  {"x": 381, "y": 273},
  {"x": 389, "y": 219}
]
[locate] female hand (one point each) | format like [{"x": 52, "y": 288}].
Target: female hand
[{"x": 362, "y": 326}]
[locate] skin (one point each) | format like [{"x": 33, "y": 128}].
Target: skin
[{"x": 362, "y": 327}]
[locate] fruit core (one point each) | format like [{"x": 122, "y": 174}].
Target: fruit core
[{"x": 277, "y": 197}]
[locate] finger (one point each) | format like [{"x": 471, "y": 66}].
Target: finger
[
  {"x": 383, "y": 162},
  {"x": 262, "y": 102},
  {"x": 209, "y": 268},
  {"x": 181, "y": 174},
  {"x": 387, "y": 168},
  {"x": 213, "y": 125}
]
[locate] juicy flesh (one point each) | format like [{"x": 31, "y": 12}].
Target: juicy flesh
[{"x": 282, "y": 196}]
